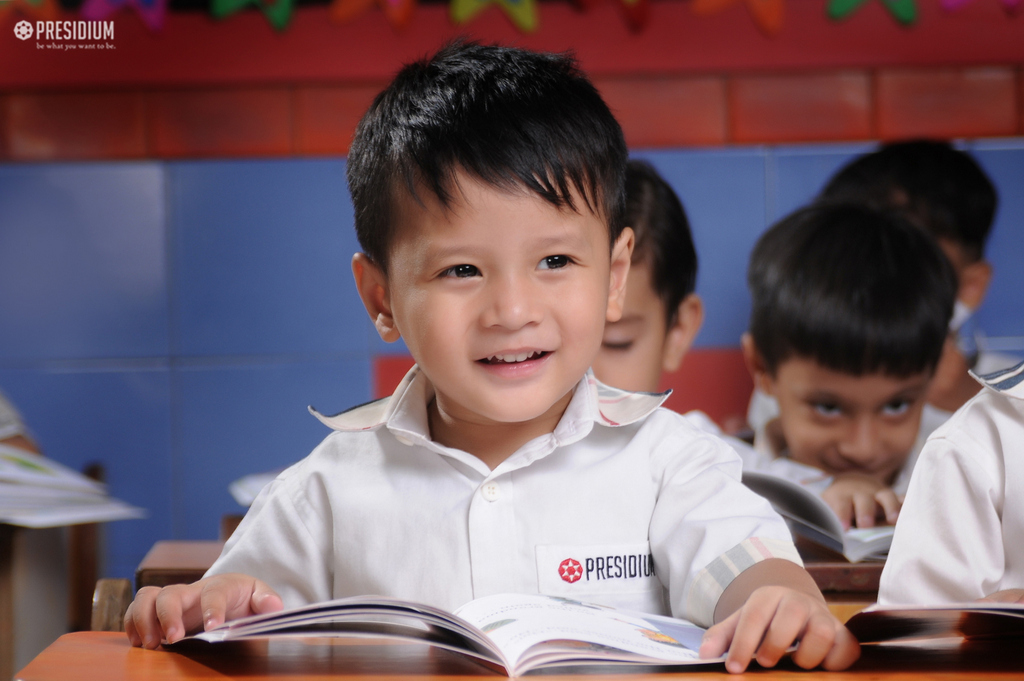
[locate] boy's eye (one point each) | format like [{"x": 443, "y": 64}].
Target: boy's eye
[
  {"x": 829, "y": 409},
  {"x": 554, "y": 262},
  {"x": 461, "y": 271},
  {"x": 617, "y": 345},
  {"x": 896, "y": 408}
]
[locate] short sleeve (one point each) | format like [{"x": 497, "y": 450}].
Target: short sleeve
[
  {"x": 284, "y": 540},
  {"x": 948, "y": 545},
  {"x": 707, "y": 527}
]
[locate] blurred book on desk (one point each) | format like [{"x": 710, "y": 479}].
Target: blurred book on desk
[
  {"x": 810, "y": 517},
  {"x": 38, "y": 492}
]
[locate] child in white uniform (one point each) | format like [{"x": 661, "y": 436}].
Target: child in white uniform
[
  {"x": 943, "y": 191},
  {"x": 487, "y": 185},
  {"x": 849, "y": 316},
  {"x": 960, "y": 536}
]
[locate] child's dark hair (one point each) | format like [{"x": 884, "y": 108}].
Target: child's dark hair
[
  {"x": 662, "y": 231},
  {"x": 857, "y": 290},
  {"x": 937, "y": 187},
  {"x": 512, "y": 118}
]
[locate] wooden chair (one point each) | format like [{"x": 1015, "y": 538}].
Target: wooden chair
[{"x": 110, "y": 600}]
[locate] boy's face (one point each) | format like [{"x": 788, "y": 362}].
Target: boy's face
[
  {"x": 842, "y": 423},
  {"x": 638, "y": 347},
  {"x": 501, "y": 300}
]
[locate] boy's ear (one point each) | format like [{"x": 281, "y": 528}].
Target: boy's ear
[
  {"x": 973, "y": 284},
  {"x": 756, "y": 366},
  {"x": 688, "y": 320},
  {"x": 373, "y": 289},
  {"x": 622, "y": 253}
]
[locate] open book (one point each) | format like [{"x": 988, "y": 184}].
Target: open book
[
  {"x": 812, "y": 518},
  {"x": 513, "y": 633},
  {"x": 971, "y": 620},
  {"x": 39, "y": 492}
]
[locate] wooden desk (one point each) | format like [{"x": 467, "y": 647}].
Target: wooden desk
[
  {"x": 176, "y": 562},
  {"x": 107, "y": 656}
]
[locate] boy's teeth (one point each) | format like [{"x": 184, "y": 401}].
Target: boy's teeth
[{"x": 510, "y": 359}]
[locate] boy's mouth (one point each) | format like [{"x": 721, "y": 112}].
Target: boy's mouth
[{"x": 514, "y": 358}]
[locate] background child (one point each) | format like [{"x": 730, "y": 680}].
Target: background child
[
  {"x": 661, "y": 314},
  {"x": 850, "y": 312},
  {"x": 945, "y": 192},
  {"x": 487, "y": 185},
  {"x": 961, "y": 533}
]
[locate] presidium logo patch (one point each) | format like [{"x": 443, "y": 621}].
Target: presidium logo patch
[{"x": 601, "y": 568}]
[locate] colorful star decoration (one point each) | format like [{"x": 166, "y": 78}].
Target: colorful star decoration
[
  {"x": 277, "y": 12},
  {"x": 767, "y": 14},
  {"x": 523, "y": 13},
  {"x": 904, "y": 11},
  {"x": 398, "y": 12},
  {"x": 152, "y": 12},
  {"x": 38, "y": 9}
]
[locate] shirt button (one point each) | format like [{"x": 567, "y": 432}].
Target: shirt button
[
  {"x": 404, "y": 440},
  {"x": 491, "y": 491}
]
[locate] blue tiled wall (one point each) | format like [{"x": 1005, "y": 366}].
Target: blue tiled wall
[{"x": 173, "y": 320}]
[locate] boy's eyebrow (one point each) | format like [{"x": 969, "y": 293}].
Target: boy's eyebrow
[{"x": 447, "y": 251}]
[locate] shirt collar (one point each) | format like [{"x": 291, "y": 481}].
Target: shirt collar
[
  {"x": 405, "y": 412},
  {"x": 1009, "y": 382}
]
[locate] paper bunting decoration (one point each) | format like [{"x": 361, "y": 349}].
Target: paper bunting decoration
[
  {"x": 38, "y": 9},
  {"x": 905, "y": 11},
  {"x": 768, "y": 14},
  {"x": 398, "y": 12},
  {"x": 1008, "y": 5},
  {"x": 277, "y": 12},
  {"x": 523, "y": 13},
  {"x": 152, "y": 12}
]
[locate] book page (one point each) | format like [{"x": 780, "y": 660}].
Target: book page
[
  {"x": 20, "y": 466},
  {"x": 533, "y": 630}
]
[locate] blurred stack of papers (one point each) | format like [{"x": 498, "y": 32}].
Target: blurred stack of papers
[{"x": 39, "y": 492}]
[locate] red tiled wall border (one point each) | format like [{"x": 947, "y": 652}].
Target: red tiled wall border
[
  {"x": 236, "y": 88},
  {"x": 662, "y": 111}
]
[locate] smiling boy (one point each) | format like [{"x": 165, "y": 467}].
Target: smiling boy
[{"x": 487, "y": 184}]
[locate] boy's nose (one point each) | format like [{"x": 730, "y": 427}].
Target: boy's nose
[
  {"x": 862, "y": 443},
  {"x": 511, "y": 304}
]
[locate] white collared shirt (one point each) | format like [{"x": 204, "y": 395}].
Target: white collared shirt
[
  {"x": 960, "y": 535},
  {"x": 623, "y": 504}
]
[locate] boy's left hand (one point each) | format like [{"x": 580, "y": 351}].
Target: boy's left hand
[{"x": 773, "y": 619}]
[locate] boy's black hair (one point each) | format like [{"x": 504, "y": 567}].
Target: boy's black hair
[
  {"x": 857, "y": 290},
  {"x": 937, "y": 187},
  {"x": 662, "y": 235},
  {"x": 512, "y": 118}
]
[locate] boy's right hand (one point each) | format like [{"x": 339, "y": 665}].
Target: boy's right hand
[
  {"x": 168, "y": 614},
  {"x": 859, "y": 499}
]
